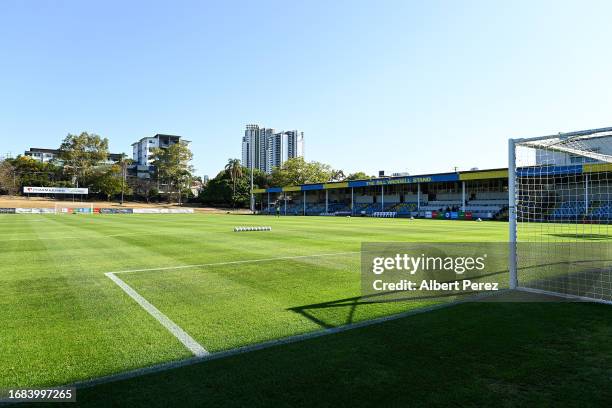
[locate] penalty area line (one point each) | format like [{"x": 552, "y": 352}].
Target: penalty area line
[
  {"x": 182, "y": 336},
  {"x": 172, "y": 365},
  {"x": 167, "y": 268}
]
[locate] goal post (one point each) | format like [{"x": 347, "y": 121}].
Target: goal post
[
  {"x": 513, "y": 279},
  {"x": 560, "y": 212}
]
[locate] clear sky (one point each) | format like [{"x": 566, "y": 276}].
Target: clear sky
[{"x": 394, "y": 85}]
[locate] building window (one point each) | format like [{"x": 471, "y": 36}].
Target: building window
[{"x": 581, "y": 159}]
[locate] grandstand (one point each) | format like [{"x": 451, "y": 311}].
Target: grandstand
[{"x": 461, "y": 195}]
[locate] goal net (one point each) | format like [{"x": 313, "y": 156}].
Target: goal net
[
  {"x": 73, "y": 208},
  {"x": 560, "y": 214}
]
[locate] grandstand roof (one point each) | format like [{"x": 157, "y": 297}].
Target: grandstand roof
[{"x": 423, "y": 178}]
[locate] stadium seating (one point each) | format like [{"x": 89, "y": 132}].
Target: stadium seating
[
  {"x": 489, "y": 206},
  {"x": 366, "y": 208},
  {"x": 404, "y": 208},
  {"x": 599, "y": 211},
  {"x": 603, "y": 212},
  {"x": 338, "y": 207},
  {"x": 440, "y": 205},
  {"x": 293, "y": 209},
  {"x": 359, "y": 207},
  {"x": 480, "y": 207},
  {"x": 569, "y": 209},
  {"x": 389, "y": 206},
  {"x": 319, "y": 209},
  {"x": 372, "y": 208},
  {"x": 315, "y": 209}
]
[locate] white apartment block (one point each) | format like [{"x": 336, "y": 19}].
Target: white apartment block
[
  {"x": 42, "y": 155},
  {"x": 142, "y": 151},
  {"x": 49, "y": 155}
]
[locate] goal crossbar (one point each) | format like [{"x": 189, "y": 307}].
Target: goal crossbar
[{"x": 590, "y": 132}]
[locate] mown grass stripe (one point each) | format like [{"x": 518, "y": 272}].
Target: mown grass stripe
[
  {"x": 172, "y": 327},
  {"x": 166, "y": 268}
]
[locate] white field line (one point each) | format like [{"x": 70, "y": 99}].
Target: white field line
[
  {"x": 167, "y": 268},
  {"x": 196, "y": 348},
  {"x": 172, "y": 327},
  {"x": 268, "y": 344},
  {"x": 176, "y": 364}
]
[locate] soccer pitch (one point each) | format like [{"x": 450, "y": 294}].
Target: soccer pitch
[{"x": 64, "y": 320}]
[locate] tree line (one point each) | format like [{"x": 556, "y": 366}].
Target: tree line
[
  {"x": 232, "y": 185},
  {"x": 83, "y": 161}
]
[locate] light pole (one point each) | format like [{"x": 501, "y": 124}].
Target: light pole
[
  {"x": 252, "y": 203},
  {"x": 123, "y": 168}
]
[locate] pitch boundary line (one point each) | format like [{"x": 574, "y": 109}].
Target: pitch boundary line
[
  {"x": 182, "y": 336},
  {"x": 265, "y": 345},
  {"x": 202, "y": 355},
  {"x": 167, "y": 268},
  {"x": 171, "y": 365},
  {"x": 189, "y": 342}
]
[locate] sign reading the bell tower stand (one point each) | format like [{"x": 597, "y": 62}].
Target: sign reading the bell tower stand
[{"x": 55, "y": 190}]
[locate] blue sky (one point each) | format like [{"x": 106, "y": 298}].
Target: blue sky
[{"x": 394, "y": 85}]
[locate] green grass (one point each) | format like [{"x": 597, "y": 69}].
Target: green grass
[
  {"x": 79, "y": 325},
  {"x": 478, "y": 354},
  {"x": 230, "y": 306},
  {"x": 64, "y": 321}
]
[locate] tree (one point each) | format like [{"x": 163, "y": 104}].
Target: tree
[
  {"x": 8, "y": 178},
  {"x": 234, "y": 169},
  {"x": 360, "y": 175},
  {"x": 80, "y": 154},
  {"x": 143, "y": 187},
  {"x": 30, "y": 172},
  {"x": 261, "y": 179},
  {"x": 222, "y": 190},
  {"x": 172, "y": 167},
  {"x": 296, "y": 171},
  {"x": 109, "y": 181},
  {"x": 337, "y": 175},
  {"x": 124, "y": 163},
  {"x": 219, "y": 191}
]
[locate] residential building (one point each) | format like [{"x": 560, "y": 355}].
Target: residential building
[
  {"x": 264, "y": 148},
  {"x": 142, "y": 152},
  {"x": 48, "y": 155},
  {"x": 254, "y": 146}
]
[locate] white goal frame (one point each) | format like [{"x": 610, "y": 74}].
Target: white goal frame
[{"x": 553, "y": 143}]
